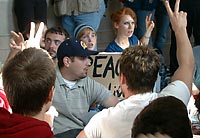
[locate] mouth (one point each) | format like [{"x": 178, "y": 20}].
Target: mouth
[
  {"x": 130, "y": 32},
  {"x": 52, "y": 54},
  {"x": 90, "y": 45},
  {"x": 86, "y": 70}
]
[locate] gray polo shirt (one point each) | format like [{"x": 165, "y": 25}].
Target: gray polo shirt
[{"x": 73, "y": 103}]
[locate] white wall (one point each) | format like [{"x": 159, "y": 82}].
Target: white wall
[{"x": 8, "y": 23}]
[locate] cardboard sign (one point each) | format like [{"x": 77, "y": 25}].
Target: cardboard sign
[{"x": 105, "y": 70}]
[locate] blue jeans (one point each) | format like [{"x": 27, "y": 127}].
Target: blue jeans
[
  {"x": 93, "y": 19},
  {"x": 162, "y": 28}
]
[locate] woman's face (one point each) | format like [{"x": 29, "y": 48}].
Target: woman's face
[
  {"x": 126, "y": 26},
  {"x": 89, "y": 37}
]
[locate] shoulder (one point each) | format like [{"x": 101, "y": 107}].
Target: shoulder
[
  {"x": 177, "y": 89},
  {"x": 97, "y": 124},
  {"x": 133, "y": 40},
  {"x": 111, "y": 47},
  {"x": 26, "y": 125}
]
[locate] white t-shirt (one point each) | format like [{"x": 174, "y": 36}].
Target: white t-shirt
[{"x": 116, "y": 122}]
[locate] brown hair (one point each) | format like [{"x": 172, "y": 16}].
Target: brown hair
[
  {"x": 140, "y": 66},
  {"x": 28, "y": 79}
]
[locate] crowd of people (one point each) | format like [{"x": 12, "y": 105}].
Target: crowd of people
[{"x": 46, "y": 90}]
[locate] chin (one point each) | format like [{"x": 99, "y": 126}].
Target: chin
[{"x": 83, "y": 77}]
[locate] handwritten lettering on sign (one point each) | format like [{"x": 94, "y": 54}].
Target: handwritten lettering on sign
[{"x": 105, "y": 69}]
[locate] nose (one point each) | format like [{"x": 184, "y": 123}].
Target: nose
[
  {"x": 130, "y": 26},
  {"x": 88, "y": 61},
  {"x": 89, "y": 38},
  {"x": 51, "y": 45}
]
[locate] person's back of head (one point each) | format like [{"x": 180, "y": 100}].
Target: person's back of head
[
  {"x": 28, "y": 79},
  {"x": 166, "y": 115},
  {"x": 140, "y": 66}
]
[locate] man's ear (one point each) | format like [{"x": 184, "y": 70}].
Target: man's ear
[
  {"x": 66, "y": 61},
  {"x": 122, "y": 79},
  {"x": 51, "y": 93}
]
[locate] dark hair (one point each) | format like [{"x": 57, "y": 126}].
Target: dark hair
[
  {"x": 140, "y": 66},
  {"x": 57, "y": 30},
  {"x": 28, "y": 79},
  {"x": 167, "y": 115}
]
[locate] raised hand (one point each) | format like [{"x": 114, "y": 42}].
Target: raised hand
[
  {"x": 34, "y": 39},
  {"x": 16, "y": 41},
  {"x": 184, "y": 51},
  {"x": 177, "y": 19},
  {"x": 149, "y": 24}
]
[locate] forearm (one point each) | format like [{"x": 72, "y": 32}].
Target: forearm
[
  {"x": 145, "y": 39},
  {"x": 112, "y": 101},
  {"x": 184, "y": 49},
  {"x": 12, "y": 54}
]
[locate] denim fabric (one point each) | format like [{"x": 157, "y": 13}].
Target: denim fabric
[
  {"x": 162, "y": 27},
  {"x": 93, "y": 19}
]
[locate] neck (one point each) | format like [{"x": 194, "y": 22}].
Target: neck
[
  {"x": 40, "y": 115},
  {"x": 66, "y": 75},
  {"x": 122, "y": 41}
]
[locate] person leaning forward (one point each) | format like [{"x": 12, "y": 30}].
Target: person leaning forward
[{"x": 75, "y": 92}]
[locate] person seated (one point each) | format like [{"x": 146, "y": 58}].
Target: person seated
[
  {"x": 124, "y": 21},
  {"x": 28, "y": 80},
  {"x": 87, "y": 34},
  {"x": 165, "y": 115},
  {"x": 53, "y": 37},
  {"x": 75, "y": 92},
  {"x": 139, "y": 66},
  {"x": 194, "y": 104}
]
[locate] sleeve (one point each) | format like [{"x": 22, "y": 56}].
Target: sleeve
[
  {"x": 99, "y": 93},
  {"x": 177, "y": 89},
  {"x": 93, "y": 128},
  {"x": 3, "y": 100}
]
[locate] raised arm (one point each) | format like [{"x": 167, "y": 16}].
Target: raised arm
[
  {"x": 18, "y": 44},
  {"x": 184, "y": 49},
  {"x": 149, "y": 28}
]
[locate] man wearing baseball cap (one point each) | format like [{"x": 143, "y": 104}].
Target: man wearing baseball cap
[{"x": 75, "y": 92}]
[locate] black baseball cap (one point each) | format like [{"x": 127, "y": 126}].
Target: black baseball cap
[{"x": 74, "y": 47}]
